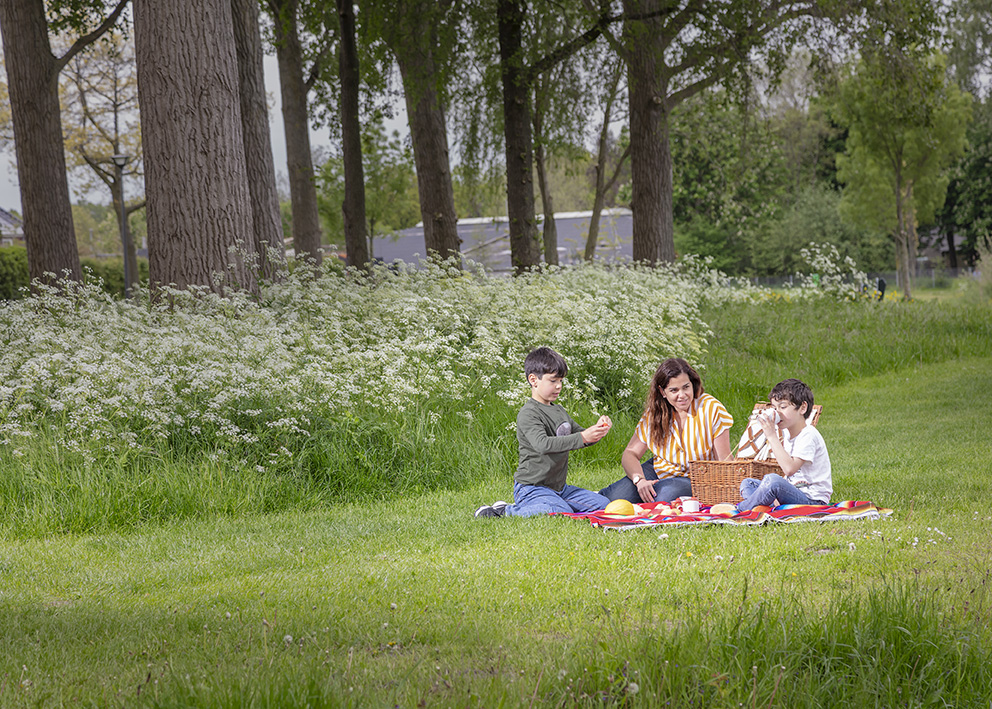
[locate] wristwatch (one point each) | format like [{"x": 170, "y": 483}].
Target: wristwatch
[{"x": 637, "y": 479}]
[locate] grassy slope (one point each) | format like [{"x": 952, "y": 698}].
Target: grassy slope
[{"x": 510, "y": 611}]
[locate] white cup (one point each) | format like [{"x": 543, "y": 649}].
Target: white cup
[{"x": 690, "y": 505}]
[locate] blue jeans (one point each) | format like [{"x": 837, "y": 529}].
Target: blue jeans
[
  {"x": 770, "y": 488},
  {"x": 530, "y": 500},
  {"x": 664, "y": 490}
]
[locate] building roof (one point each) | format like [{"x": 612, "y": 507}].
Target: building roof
[{"x": 487, "y": 239}]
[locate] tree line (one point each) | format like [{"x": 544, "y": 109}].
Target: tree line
[{"x": 516, "y": 85}]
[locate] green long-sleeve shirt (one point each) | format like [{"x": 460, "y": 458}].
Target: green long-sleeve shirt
[{"x": 546, "y": 433}]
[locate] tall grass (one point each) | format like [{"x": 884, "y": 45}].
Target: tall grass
[
  {"x": 116, "y": 414},
  {"x": 830, "y": 342}
]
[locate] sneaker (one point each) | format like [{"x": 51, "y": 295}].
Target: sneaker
[
  {"x": 486, "y": 511},
  {"x": 499, "y": 507}
]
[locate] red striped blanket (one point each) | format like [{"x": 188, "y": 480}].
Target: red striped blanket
[{"x": 648, "y": 517}]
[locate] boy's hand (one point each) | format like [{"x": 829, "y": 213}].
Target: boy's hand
[
  {"x": 600, "y": 429},
  {"x": 767, "y": 420}
]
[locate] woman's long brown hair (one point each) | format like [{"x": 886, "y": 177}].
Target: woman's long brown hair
[{"x": 659, "y": 412}]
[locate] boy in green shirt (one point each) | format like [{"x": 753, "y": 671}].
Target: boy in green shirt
[{"x": 546, "y": 433}]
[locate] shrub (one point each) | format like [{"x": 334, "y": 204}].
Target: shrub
[
  {"x": 14, "y": 273},
  {"x": 110, "y": 273}
]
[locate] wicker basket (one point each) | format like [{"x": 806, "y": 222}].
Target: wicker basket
[{"x": 716, "y": 481}]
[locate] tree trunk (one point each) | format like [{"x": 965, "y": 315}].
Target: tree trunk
[
  {"x": 299, "y": 161},
  {"x": 602, "y": 184},
  {"x": 547, "y": 203},
  {"x": 524, "y": 247},
  {"x": 650, "y": 152},
  {"x": 258, "y": 147},
  {"x": 129, "y": 250},
  {"x": 351, "y": 138},
  {"x": 195, "y": 176},
  {"x": 952, "y": 252},
  {"x": 428, "y": 131},
  {"x": 902, "y": 245},
  {"x": 32, "y": 75},
  {"x": 550, "y": 228}
]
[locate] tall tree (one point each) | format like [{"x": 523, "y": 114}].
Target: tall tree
[
  {"x": 195, "y": 175},
  {"x": 294, "y": 85},
  {"x": 906, "y": 124},
  {"x": 674, "y": 51},
  {"x": 259, "y": 163},
  {"x": 525, "y": 251},
  {"x": 423, "y": 37},
  {"x": 353, "y": 207},
  {"x": 100, "y": 94},
  {"x": 390, "y": 185},
  {"x": 606, "y": 174},
  {"x": 32, "y": 80}
]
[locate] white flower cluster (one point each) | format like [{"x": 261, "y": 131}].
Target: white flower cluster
[
  {"x": 830, "y": 275},
  {"x": 244, "y": 369}
]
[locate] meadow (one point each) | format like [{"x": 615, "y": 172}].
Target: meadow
[{"x": 268, "y": 502}]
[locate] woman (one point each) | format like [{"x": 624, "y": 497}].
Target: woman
[{"x": 680, "y": 423}]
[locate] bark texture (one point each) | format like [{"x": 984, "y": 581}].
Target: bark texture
[
  {"x": 413, "y": 40},
  {"x": 267, "y": 221},
  {"x": 650, "y": 151},
  {"x": 195, "y": 176},
  {"x": 299, "y": 161},
  {"x": 32, "y": 76},
  {"x": 355, "y": 238},
  {"x": 525, "y": 250},
  {"x": 549, "y": 227}
]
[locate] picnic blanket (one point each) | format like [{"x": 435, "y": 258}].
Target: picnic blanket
[{"x": 659, "y": 513}]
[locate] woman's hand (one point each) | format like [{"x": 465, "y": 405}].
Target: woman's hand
[{"x": 645, "y": 488}]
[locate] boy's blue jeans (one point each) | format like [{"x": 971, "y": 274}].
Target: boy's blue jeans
[
  {"x": 770, "y": 488},
  {"x": 664, "y": 490},
  {"x": 529, "y": 500}
]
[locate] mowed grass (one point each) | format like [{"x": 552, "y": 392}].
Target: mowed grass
[{"x": 412, "y": 602}]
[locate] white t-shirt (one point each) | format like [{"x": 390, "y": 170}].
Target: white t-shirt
[{"x": 813, "y": 478}]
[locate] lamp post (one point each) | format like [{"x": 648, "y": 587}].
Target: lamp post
[{"x": 120, "y": 161}]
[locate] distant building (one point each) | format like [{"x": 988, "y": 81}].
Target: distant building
[
  {"x": 486, "y": 240},
  {"x": 11, "y": 229}
]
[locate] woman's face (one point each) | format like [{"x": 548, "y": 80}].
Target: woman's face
[{"x": 678, "y": 392}]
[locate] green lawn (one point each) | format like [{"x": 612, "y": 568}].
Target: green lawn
[{"x": 412, "y": 601}]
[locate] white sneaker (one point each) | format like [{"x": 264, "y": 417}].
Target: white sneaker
[{"x": 486, "y": 511}]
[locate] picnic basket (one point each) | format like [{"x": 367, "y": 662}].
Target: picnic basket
[{"x": 716, "y": 481}]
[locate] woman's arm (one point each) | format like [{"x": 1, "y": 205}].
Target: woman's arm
[
  {"x": 721, "y": 446},
  {"x": 631, "y": 462}
]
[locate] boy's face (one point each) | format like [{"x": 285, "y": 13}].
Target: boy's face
[
  {"x": 789, "y": 412},
  {"x": 545, "y": 389}
]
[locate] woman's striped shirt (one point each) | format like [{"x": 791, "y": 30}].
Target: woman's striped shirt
[{"x": 692, "y": 441}]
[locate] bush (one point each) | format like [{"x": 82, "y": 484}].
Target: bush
[
  {"x": 14, "y": 273},
  {"x": 111, "y": 273}
]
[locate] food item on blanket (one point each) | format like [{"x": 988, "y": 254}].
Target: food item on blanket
[
  {"x": 723, "y": 508},
  {"x": 620, "y": 507}
]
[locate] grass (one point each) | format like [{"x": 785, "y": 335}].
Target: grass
[{"x": 409, "y": 601}]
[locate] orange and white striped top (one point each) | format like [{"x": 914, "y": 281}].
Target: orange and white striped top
[{"x": 707, "y": 419}]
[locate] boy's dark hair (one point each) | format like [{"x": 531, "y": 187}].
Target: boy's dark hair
[
  {"x": 545, "y": 360},
  {"x": 795, "y": 392}
]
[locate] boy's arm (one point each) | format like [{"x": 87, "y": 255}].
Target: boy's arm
[
  {"x": 531, "y": 427},
  {"x": 786, "y": 461}
]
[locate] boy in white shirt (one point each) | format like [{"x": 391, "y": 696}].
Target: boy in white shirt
[{"x": 802, "y": 457}]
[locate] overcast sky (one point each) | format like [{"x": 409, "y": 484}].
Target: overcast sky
[{"x": 10, "y": 196}]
